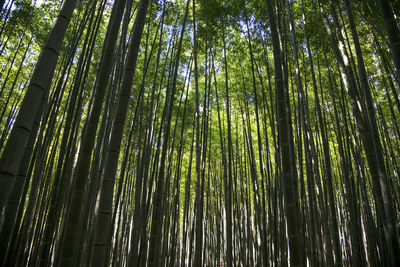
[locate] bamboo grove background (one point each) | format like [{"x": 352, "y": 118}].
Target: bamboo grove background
[{"x": 199, "y": 133}]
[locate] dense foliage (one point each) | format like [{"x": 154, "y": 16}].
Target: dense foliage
[{"x": 199, "y": 132}]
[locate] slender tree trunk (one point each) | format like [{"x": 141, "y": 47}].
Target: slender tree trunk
[
  {"x": 288, "y": 175},
  {"x": 228, "y": 193},
  {"x": 198, "y": 203}
]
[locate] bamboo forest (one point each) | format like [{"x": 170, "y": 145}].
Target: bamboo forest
[{"x": 199, "y": 133}]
